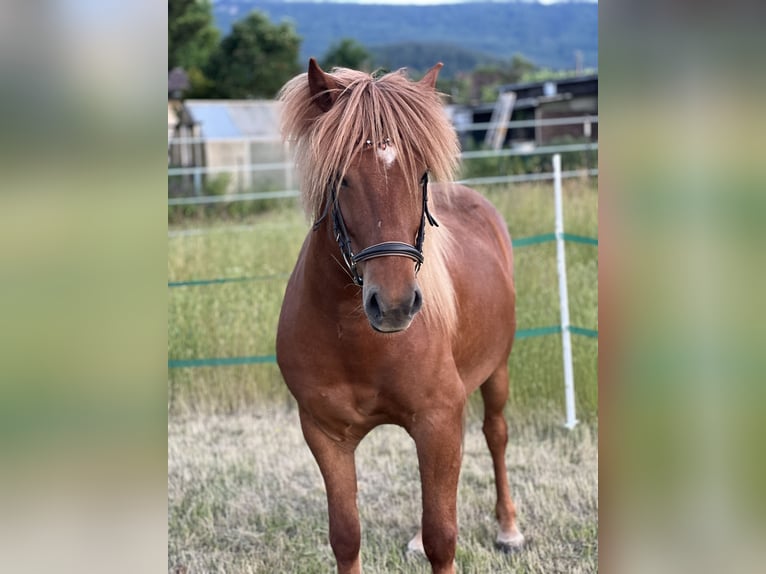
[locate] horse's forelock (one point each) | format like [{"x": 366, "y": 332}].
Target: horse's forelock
[{"x": 365, "y": 108}]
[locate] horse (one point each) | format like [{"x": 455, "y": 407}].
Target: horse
[{"x": 401, "y": 302}]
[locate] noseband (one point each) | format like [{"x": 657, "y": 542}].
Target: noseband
[{"x": 384, "y": 249}]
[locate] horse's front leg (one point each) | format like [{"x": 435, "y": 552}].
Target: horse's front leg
[
  {"x": 336, "y": 462},
  {"x": 438, "y": 438}
]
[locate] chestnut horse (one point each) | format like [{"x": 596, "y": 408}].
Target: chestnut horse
[{"x": 402, "y": 300}]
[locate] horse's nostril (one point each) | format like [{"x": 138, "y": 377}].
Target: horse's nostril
[
  {"x": 389, "y": 317},
  {"x": 373, "y": 306},
  {"x": 417, "y": 301}
]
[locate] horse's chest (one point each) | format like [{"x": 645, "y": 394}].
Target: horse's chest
[
  {"x": 349, "y": 379},
  {"x": 346, "y": 411}
]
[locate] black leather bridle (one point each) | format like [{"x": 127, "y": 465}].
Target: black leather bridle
[{"x": 384, "y": 249}]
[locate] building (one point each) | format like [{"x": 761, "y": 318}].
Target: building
[
  {"x": 561, "y": 98},
  {"x": 241, "y": 146}
]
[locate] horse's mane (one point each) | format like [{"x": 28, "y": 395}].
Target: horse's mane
[{"x": 367, "y": 108}]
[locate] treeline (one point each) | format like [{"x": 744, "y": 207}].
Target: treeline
[
  {"x": 420, "y": 56},
  {"x": 548, "y": 35},
  {"x": 256, "y": 56}
]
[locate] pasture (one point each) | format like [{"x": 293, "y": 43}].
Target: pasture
[
  {"x": 244, "y": 492},
  {"x": 245, "y": 495}
]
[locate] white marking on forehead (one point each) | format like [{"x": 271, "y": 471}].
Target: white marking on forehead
[{"x": 387, "y": 154}]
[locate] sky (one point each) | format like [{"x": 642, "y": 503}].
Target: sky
[
  {"x": 421, "y": 2},
  {"x": 439, "y": 1}
]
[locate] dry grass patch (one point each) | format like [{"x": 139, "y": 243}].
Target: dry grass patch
[{"x": 245, "y": 495}]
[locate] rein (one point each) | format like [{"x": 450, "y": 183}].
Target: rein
[{"x": 384, "y": 249}]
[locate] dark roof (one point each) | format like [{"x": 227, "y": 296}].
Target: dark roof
[{"x": 576, "y": 85}]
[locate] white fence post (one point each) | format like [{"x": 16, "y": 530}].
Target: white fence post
[{"x": 566, "y": 337}]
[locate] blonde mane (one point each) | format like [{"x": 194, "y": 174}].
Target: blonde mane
[
  {"x": 372, "y": 108},
  {"x": 366, "y": 108},
  {"x": 435, "y": 280}
]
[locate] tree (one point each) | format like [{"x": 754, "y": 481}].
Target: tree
[
  {"x": 520, "y": 67},
  {"x": 347, "y": 53},
  {"x": 192, "y": 35},
  {"x": 255, "y": 59},
  {"x": 486, "y": 79}
]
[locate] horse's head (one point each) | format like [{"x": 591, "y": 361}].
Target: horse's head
[
  {"x": 379, "y": 215},
  {"x": 363, "y": 145},
  {"x": 380, "y": 212}
]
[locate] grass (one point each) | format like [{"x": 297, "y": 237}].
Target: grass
[
  {"x": 239, "y": 319},
  {"x": 244, "y": 495}
]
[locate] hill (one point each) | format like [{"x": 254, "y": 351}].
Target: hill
[
  {"x": 420, "y": 56},
  {"x": 548, "y": 35}
]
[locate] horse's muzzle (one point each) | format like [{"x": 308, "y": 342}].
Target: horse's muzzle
[{"x": 390, "y": 316}]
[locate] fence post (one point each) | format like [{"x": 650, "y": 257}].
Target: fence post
[{"x": 566, "y": 337}]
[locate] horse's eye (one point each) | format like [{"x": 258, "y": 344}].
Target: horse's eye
[{"x": 344, "y": 183}]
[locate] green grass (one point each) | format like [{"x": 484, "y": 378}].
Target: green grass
[
  {"x": 244, "y": 495},
  {"x": 240, "y": 319}
]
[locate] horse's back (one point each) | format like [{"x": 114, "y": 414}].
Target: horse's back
[
  {"x": 482, "y": 244},
  {"x": 471, "y": 215}
]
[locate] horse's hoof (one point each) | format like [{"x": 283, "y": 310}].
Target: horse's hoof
[
  {"x": 415, "y": 547},
  {"x": 511, "y": 544}
]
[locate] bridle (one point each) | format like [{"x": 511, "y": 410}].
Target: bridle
[{"x": 384, "y": 249}]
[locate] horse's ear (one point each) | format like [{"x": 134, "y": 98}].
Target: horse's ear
[
  {"x": 429, "y": 80},
  {"x": 322, "y": 86}
]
